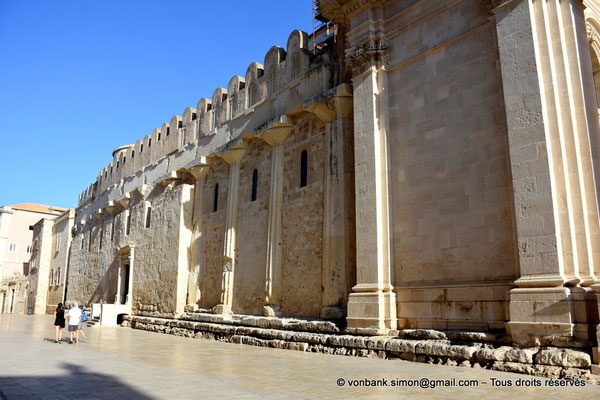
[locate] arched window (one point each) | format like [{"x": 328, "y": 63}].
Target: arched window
[
  {"x": 216, "y": 199},
  {"x": 254, "y": 184},
  {"x": 303, "y": 169}
]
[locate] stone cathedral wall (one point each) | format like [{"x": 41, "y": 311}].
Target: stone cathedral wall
[
  {"x": 451, "y": 209},
  {"x": 177, "y": 227}
]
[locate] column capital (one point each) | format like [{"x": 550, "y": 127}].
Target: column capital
[
  {"x": 199, "y": 168},
  {"x": 234, "y": 154},
  {"x": 277, "y": 130}
]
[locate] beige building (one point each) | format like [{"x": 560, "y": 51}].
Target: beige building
[
  {"x": 435, "y": 166},
  {"x": 49, "y": 262},
  {"x": 16, "y": 249}
]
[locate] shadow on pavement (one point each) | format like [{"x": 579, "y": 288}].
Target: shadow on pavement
[{"x": 76, "y": 383}]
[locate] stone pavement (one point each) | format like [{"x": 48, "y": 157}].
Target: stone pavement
[{"x": 122, "y": 363}]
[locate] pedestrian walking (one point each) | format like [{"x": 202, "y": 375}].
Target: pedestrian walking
[
  {"x": 59, "y": 323},
  {"x": 82, "y": 324},
  {"x": 74, "y": 317}
]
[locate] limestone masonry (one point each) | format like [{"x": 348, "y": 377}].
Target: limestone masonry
[{"x": 422, "y": 185}]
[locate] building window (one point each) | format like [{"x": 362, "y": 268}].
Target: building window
[
  {"x": 82, "y": 241},
  {"x": 101, "y": 237},
  {"x": 254, "y": 184},
  {"x": 128, "y": 223},
  {"x": 28, "y": 249},
  {"x": 148, "y": 216},
  {"x": 149, "y": 143},
  {"x": 51, "y": 277},
  {"x": 216, "y": 198},
  {"x": 58, "y": 276},
  {"x": 12, "y": 247},
  {"x": 57, "y": 244},
  {"x": 112, "y": 229},
  {"x": 303, "y": 169}
]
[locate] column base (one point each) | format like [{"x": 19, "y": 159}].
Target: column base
[
  {"x": 271, "y": 310},
  {"x": 540, "y": 316},
  {"x": 371, "y": 313},
  {"x": 331, "y": 312},
  {"x": 222, "y": 309}
]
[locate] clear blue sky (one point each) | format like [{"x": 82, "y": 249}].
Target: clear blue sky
[{"x": 80, "y": 78}]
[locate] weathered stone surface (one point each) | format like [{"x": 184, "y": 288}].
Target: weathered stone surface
[
  {"x": 483, "y": 337},
  {"x": 506, "y": 353},
  {"x": 377, "y": 342},
  {"x": 563, "y": 358},
  {"x": 426, "y": 334},
  {"x": 401, "y": 346}
]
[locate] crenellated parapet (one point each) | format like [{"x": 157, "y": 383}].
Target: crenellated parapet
[{"x": 285, "y": 82}]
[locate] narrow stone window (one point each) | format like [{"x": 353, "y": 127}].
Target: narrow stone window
[
  {"x": 112, "y": 229},
  {"x": 303, "y": 169},
  {"x": 101, "y": 237},
  {"x": 272, "y": 83},
  {"x": 148, "y": 216},
  {"x": 216, "y": 198},
  {"x": 149, "y": 142},
  {"x": 132, "y": 153},
  {"x": 124, "y": 158},
  {"x": 128, "y": 223},
  {"x": 117, "y": 164},
  {"x": 158, "y": 135},
  {"x": 183, "y": 132},
  {"x": 82, "y": 240},
  {"x": 58, "y": 276},
  {"x": 167, "y": 131},
  {"x": 254, "y": 184},
  {"x": 90, "y": 240},
  {"x": 141, "y": 148}
]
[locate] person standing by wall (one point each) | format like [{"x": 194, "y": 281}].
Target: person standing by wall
[
  {"x": 74, "y": 317},
  {"x": 59, "y": 323},
  {"x": 82, "y": 324}
]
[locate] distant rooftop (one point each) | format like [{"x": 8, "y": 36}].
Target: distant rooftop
[{"x": 38, "y": 208}]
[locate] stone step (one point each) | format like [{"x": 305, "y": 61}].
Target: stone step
[
  {"x": 287, "y": 324},
  {"x": 437, "y": 347}
]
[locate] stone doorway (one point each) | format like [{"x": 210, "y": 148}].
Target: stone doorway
[
  {"x": 124, "y": 279},
  {"x": 124, "y": 276}
]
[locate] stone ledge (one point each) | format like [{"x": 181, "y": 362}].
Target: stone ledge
[{"x": 548, "y": 362}]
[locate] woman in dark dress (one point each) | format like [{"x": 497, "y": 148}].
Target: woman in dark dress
[{"x": 59, "y": 323}]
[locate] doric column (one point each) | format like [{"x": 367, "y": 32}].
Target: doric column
[
  {"x": 544, "y": 57},
  {"x": 338, "y": 268},
  {"x": 372, "y": 303},
  {"x": 45, "y": 243},
  {"x": 199, "y": 172},
  {"x": 233, "y": 157},
  {"x": 275, "y": 135}
]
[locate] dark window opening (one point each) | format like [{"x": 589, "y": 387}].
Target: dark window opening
[
  {"x": 148, "y": 214},
  {"x": 216, "y": 199},
  {"x": 128, "y": 226},
  {"x": 149, "y": 142},
  {"x": 303, "y": 168},
  {"x": 158, "y": 135},
  {"x": 117, "y": 164},
  {"x": 254, "y": 184},
  {"x": 141, "y": 148},
  {"x": 132, "y": 154},
  {"x": 167, "y": 131}
]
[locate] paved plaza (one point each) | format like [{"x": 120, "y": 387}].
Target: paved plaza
[{"x": 122, "y": 363}]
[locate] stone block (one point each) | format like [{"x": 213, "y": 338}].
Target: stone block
[{"x": 563, "y": 358}]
